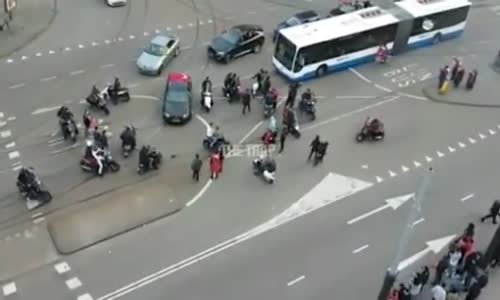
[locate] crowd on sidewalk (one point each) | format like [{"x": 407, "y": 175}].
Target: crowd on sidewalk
[{"x": 455, "y": 76}]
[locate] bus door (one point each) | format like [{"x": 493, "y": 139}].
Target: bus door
[{"x": 403, "y": 33}]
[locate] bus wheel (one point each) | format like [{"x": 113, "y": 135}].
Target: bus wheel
[
  {"x": 437, "y": 38},
  {"x": 321, "y": 71}
]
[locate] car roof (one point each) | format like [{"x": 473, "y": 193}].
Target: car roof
[
  {"x": 306, "y": 14},
  {"x": 161, "y": 39},
  {"x": 247, "y": 27},
  {"x": 178, "y": 76}
]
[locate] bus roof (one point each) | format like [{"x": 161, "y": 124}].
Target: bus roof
[
  {"x": 338, "y": 26},
  {"x": 420, "y": 8}
]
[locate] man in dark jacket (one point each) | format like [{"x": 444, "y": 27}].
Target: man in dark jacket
[
  {"x": 245, "y": 100},
  {"x": 494, "y": 211},
  {"x": 196, "y": 167},
  {"x": 314, "y": 147}
]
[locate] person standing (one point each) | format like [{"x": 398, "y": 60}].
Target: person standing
[
  {"x": 494, "y": 211},
  {"x": 196, "y": 165},
  {"x": 314, "y": 147},
  {"x": 292, "y": 94},
  {"x": 214, "y": 165},
  {"x": 442, "y": 76},
  {"x": 221, "y": 157},
  {"x": 283, "y": 135},
  {"x": 459, "y": 76},
  {"x": 454, "y": 70},
  {"x": 245, "y": 100},
  {"x": 471, "y": 80}
]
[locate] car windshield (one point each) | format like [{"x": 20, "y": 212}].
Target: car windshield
[
  {"x": 155, "y": 49},
  {"x": 285, "y": 52},
  {"x": 293, "y": 21},
  {"x": 176, "y": 92},
  {"x": 227, "y": 39}
]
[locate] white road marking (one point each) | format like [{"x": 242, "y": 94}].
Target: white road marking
[
  {"x": 157, "y": 31},
  {"x": 67, "y": 49},
  {"x": 55, "y": 144},
  {"x": 413, "y": 96},
  {"x": 2, "y": 124},
  {"x": 200, "y": 193},
  {"x": 145, "y": 97},
  {"x": 5, "y": 134},
  {"x": 133, "y": 85},
  {"x": 24, "y": 58},
  {"x": 491, "y": 131},
  {"x": 418, "y": 222},
  {"x": 38, "y": 220},
  {"x": 296, "y": 280},
  {"x": 120, "y": 39},
  {"x": 2, "y": 115},
  {"x": 73, "y": 283},
  {"x": 131, "y": 37},
  {"x": 428, "y": 158},
  {"x": 472, "y": 141},
  {"x": 38, "y": 54},
  {"x": 17, "y": 163},
  {"x": 62, "y": 267},
  {"x": 14, "y": 155},
  {"x": 45, "y": 110},
  {"x": 11, "y": 118},
  {"x": 364, "y": 167},
  {"x": 85, "y": 297},
  {"x": 383, "y": 88},
  {"x": 107, "y": 42},
  {"x": 94, "y": 44},
  {"x": 353, "y": 112},
  {"x": 251, "y": 131},
  {"x": 17, "y": 168},
  {"x": 426, "y": 76},
  {"x": 36, "y": 215},
  {"x": 482, "y": 136},
  {"x": 392, "y": 174},
  {"x": 405, "y": 169},
  {"x": 10, "y": 145},
  {"x": 355, "y": 97},
  {"x": 364, "y": 247},
  {"x": 9, "y": 289},
  {"x": 107, "y": 66},
  {"x": 9, "y": 61},
  {"x": 179, "y": 26},
  {"x": 16, "y": 86},
  {"x": 169, "y": 29},
  {"x": 467, "y": 197},
  {"x": 379, "y": 179},
  {"x": 146, "y": 33},
  {"x": 81, "y": 46},
  {"x": 439, "y": 154},
  {"x": 190, "y": 24},
  {"x": 462, "y": 145},
  {"x": 416, "y": 164},
  {"x": 48, "y": 79},
  {"x": 78, "y": 72},
  {"x": 210, "y": 21},
  {"x": 451, "y": 149},
  {"x": 185, "y": 48},
  {"x": 51, "y": 52},
  {"x": 360, "y": 75}
]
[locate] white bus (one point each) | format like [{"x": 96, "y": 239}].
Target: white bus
[{"x": 344, "y": 41}]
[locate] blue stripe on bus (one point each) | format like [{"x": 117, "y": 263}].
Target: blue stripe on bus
[{"x": 369, "y": 58}]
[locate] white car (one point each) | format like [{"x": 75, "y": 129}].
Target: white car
[{"x": 116, "y": 3}]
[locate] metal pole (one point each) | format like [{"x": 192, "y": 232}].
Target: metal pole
[{"x": 392, "y": 272}]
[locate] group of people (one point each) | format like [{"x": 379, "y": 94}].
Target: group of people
[{"x": 455, "y": 76}]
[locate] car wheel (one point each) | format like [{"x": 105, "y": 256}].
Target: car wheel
[{"x": 257, "y": 48}]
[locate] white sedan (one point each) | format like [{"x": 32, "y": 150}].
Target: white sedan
[{"x": 116, "y": 3}]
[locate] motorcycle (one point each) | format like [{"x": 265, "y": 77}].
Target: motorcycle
[
  {"x": 98, "y": 102},
  {"x": 69, "y": 129},
  {"x": 366, "y": 133},
  {"x": 268, "y": 174},
  {"x": 294, "y": 129},
  {"x": 154, "y": 162},
  {"x": 35, "y": 193},
  {"x": 214, "y": 144},
  {"x": 232, "y": 94},
  {"x": 122, "y": 94},
  {"x": 89, "y": 164},
  {"x": 127, "y": 148},
  {"x": 207, "y": 101},
  {"x": 308, "y": 107}
]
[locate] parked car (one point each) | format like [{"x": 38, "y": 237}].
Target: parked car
[
  {"x": 178, "y": 99},
  {"x": 157, "y": 54},
  {"x": 116, "y": 3},
  {"x": 237, "y": 41},
  {"x": 297, "y": 19}
]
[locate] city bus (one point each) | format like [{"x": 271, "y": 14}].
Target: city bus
[{"x": 340, "y": 42}]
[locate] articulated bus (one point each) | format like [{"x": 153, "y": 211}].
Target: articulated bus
[{"x": 340, "y": 42}]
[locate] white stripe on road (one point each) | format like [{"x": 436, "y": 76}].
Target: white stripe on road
[
  {"x": 39, "y": 220},
  {"x": 11, "y": 118},
  {"x": 107, "y": 66},
  {"x": 360, "y": 249},
  {"x": 383, "y": 88},
  {"x": 14, "y": 155},
  {"x": 76, "y": 72},
  {"x": 9, "y": 289},
  {"x": 355, "y": 97},
  {"x": 417, "y": 222},
  {"x": 200, "y": 193},
  {"x": 85, "y": 297},
  {"x": 45, "y": 110},
  {"x": 17, "y": 168},
  {"x": 73, "y": 283},
  {"x": 5, "y": 134},
  {"x": 10, "y": 145},
  {"x": 296, "y": 280},
  {"x": 16, "y": 86},
  {"x": 360, "y": 75},
  {"x": 48, "y": 79},
  {"x": 2, "y": 124},
  {"x": 467, "y": 197},
  {"x": 413, "y": 96}
]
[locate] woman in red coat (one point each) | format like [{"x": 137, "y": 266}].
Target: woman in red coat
[{"x": 215, "y": 165}]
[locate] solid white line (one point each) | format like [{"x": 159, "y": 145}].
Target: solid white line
[
  {"x": 200, "y": 193},
  {"x": 16, "y": 86},
  {"x": 250, "y": 132},
  {"x": 355, "y": 97},
  {"x": 360, "y": 249},
  {"x": 414, "y": 96},
  {"x": 38, "y": 220},
  {"x": 9, "y": 289},
  {"x": 360, "y": 75},
  {"x": 77, "y": 72},
  {"x": 296, "y": 280},
  {"x": 383, "y": 88},
  {"x": 48, "y": 79},
  {"x": 107, "y": 66},
  {"x": 36, "y": 215},
  {"x": 45, "y": 110},
  {"x": 17, "y": 168},
  {"x": 14, "y": 154},
  {"x": 467, "y": 197},
  {"x": 418, "y": 222},
  {"x": 145, "y": 97},
  {"x": 203, "y": 121},
  {"x": 353, "y": 112},
  {"x": 5, "y": 134}
]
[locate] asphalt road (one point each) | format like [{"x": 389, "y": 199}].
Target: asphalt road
[{"x": 55, "y": 71}]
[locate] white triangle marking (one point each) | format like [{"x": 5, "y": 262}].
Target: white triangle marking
[
  {"x": 405, "y": 169},
  {"x": 379, "y": 179},
  {"x": 51, "y": 52},
  {"x": 439, "y": 154},
  {"x": 492, "y": 132},
  {"x": 451, "y": 149},
  {"x": 462, "y": 145},
  {"x": 392, "y": 173},
  {"x": 417, "y": 164},
  {"x": 472, "y": 141},
  {"x": 482, "y": 136},
  {"x": 81, "y": 46},
  {"x": 428, "y": 159}
]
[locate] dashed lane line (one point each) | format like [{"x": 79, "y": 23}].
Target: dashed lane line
[
  {"x": 296, "y": 280},
  {"x": 360, "y": 249},
  {"x": 47, "y": 79},
  {"x": 468, "y": 197},
  {"x": 16, "y": 86}
]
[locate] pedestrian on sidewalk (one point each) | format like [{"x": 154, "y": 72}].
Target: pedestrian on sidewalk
[
  {"x": 314, "y": 147},
  {"x": 445, "y": 86},
  {"x": 459, "y": 76},
  {"x": 215, "y": 165},
  {"x": 196, "y": 165},
  {"x": 494, "y": 211},
  {"x": 443, "y": 74},
  {"x": 454, "y": 70},
  {"x": 246, "y": 97},
  {"x": 283, "y": 134},
  {"x": 471, "y": 80}
]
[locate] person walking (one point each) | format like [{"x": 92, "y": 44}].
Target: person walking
[
  {"x": 454, "y": 70},
  {"x": 471, "y": 80},
  {"x": 196, "y": 165},
  {"x": 314, "y": 147},
  {"x": 283, "y": 134},
  {"x": 221, "y": 157},
  {"x": 245, "y": 100},
  {"x": 292, "y": 94},
  {"x": 459, "y": 76},
  {"x": 494, "y": 211},
  {"x": 215, "y": 165}
]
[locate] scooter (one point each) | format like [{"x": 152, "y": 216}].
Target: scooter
[
  {"x": 36, "y": 194},
  {"x": 122, "y": 94},
  {"x": 90, "y": 164},
  {"x": 365, "y": 134},
  {"x": 267, "y": 175},
  {"x": 207, "y": 101},
  {"x": 98, "y": 102},
  {"x": 154, "y": 162},
  {"x": 309, "y": 108}
]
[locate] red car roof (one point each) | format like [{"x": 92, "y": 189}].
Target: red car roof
[{"x": 178, "y": 77}]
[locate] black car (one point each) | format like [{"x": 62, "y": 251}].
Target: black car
[
  {"x": 237, "y": 41},
  {"x": 297, "y": 19},
  {"x": 177, "y": 100}
]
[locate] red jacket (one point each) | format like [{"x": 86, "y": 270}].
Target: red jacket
[{"x": 215, "y": 163}]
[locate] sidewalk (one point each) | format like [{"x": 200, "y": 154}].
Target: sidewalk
[
  {"x": 484, "y": 94},
  {"x": 30, "y": 19}
]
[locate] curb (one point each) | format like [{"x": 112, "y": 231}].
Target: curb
[
  {"x": 34, "y": 36},
  {"x": 432, "y": 98}
]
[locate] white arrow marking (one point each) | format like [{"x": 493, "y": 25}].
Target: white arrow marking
[
  {"x": 472, "y": 141},
  {"x": 439, "y": 154},
  {"x": 24, "y": 58},
  {"x": 451, "y": 149},
  {"x": 393, "y": 203},
  {"x": 434, "y": 246},
  {"x": 405, "y": 169},
  {"x": 417, "y": 164},
  {"x": 462, "y": 145},
  {"x": 428, "y": 159},
  {"x": 81, "y": 46},
  {"x": 51, "y": 52},
  {"x": 482, "y": 136},
  {"x": 492, "y": 132},
  {"x": 392, "y": 174},
  {"x": 379, "y": 179}
]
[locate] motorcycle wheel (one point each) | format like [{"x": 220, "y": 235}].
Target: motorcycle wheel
[
  {"x": 114, "y": 166},
  {"x": 360, "y": 137}
]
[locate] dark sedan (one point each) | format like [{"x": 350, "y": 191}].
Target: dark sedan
[
  {"x": 297, "y": 19},
  {"x": 177, "y": 100},
  {"x": 235, "y": 42}
]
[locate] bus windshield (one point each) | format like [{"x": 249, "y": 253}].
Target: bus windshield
[{"x": 285, "y": 51}]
